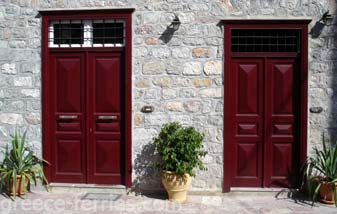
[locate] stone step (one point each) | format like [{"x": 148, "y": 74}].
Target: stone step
[
  {"x": 81, "y": 188},
  {"x": 239, "y": 191}
]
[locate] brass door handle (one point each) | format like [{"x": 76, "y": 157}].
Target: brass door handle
[
  {"x": 107, "y": 117},
  {"x": 68, "y": 116}
]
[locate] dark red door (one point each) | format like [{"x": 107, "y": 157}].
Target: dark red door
[
  {"x": 104, "y": 108},
  {"x": 264, "y": 110},
  {"x": 282, "y": 108},
  {"x": 86, "y": 110}
]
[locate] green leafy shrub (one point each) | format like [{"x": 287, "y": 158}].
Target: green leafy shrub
[
  {"x": 180, "y": 149},
  {"x": 20, "y": 160},
  {"x": 322, "y": 167}
]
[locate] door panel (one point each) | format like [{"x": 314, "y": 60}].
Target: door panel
[
  {"x": 105, "y": 117},
  {"x": 281, "y": 146},
  {"x": 67, "y": 108},
  {"x": 247, "y": 138}
]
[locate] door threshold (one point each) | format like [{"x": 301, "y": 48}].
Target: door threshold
[
  {"x": 261, "y": 189},
  {"x": 87, "y": 188},
  {"x": 79, "y": 185}
]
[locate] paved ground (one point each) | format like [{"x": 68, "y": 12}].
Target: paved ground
[{"x": 44, "y": 202}]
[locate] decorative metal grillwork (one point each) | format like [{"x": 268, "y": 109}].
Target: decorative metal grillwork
[
  {"x": 108, "y": 33},
  {"x": 266, "y": 40},
  {"x": 68, "y": 33},
  {"x": 87, "y": 33}
]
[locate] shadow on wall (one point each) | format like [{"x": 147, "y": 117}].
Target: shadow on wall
[
  {"x": 332, "y": 92},
  {"x": 148, "y": 177},
  {"x": 167, "y": 35}
]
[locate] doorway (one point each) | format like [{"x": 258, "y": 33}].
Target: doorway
[
  {"x": 265, "y": 103},
  {"x": 87, "y": 96}
]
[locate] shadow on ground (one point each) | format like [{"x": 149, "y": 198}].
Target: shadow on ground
[
  {"x": 148, "y": 177},
  {"x": 295, "y": 196}
]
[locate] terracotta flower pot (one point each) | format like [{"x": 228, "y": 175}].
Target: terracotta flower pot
[
  {"x": 176, "y": 185},
  {"x": 20, "y": 189},
  {"x": 326, "y": 192}
]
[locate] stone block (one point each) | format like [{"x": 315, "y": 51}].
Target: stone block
[
  {"x": 211, "y": 92},
  {"x": 214, "y": 41},
  {"x": 198, "y": 7},
  {"x": 187, "y": 92},
  {"x": 16, "y": 105},
  {"x": 169, "y": 93},
  {"x": 163, "y": 82},
  {"x": 142, "y": 83},
  {"x": 193, "y": 41},
  {"x": 17, "y": 44},
  {"x": 153, "y": 68},
  {"x": 152, "y": 93},
  {"x": 181, "y": 53},
  {"x": 181, "y": 82},
  {"x": 213, "y": 68},
  {"x": 192, "y": 105},
  {"x": 11, "y": 118},
  {"x": 153, "y": 41},
  {"x": 8, "y": 68},
  {"x": 156, "y": 119},
  {"x": 138, "y": 119},
  {"x": 192, "y": 69},
  {"x": 175, "y": 106},
  {"x": 23, "y": 81},
  {"x": 144, "y": 29},
  {"x": 33, "y": 118},
  {"x": 161, "y": 53},
  {"x": 187, "y": 17},
  {"x": 207, "y": 106},
  {"x": 151, "y": 18},
  {"x": 31, "y": 93},
  {"x": 200, "y": 83},
  {"x": 202, "y": 52},
  {"x": 140, "y": 52}
]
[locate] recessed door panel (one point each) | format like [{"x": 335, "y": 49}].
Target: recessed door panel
[
  {"x": 68, "y": 75},
  {"x": 69, "y": 150},
  {"x": 282, "y": 86},
  {"x": 248, "y": 89},
  {"x": 107, "y": 83}
]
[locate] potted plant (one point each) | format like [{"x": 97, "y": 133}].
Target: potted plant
[
  {"x": 20, "y": 166},
  {"x": 181, "y": 150},
  {"x": 321, "y": 173}
]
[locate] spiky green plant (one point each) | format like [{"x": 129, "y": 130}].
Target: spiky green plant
[
  {"x": 21, "y": 161},
  {"x": 322, "y": 167},
  {"x": 180, "y": 149}
]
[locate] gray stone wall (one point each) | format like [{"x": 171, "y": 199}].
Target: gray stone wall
[{"x": 180, "y": 74}]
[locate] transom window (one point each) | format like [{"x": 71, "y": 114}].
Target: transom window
[
  {"x": 266, "y": 40},
  {"x": 87, "y": 33}
]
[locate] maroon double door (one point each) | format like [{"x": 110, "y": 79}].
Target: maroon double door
[
  {"x": 264, "y": 111},
  {"x": 86, "y": 117}
]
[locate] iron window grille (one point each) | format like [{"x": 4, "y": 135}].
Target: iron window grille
[
  {"x": 266, "y": 40},
  {"x": 87, "y": 33}
]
